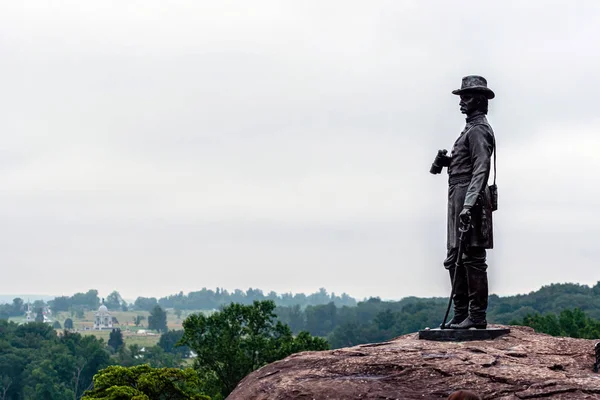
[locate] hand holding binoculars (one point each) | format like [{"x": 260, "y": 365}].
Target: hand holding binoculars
[{"x": 441, "y": 160}]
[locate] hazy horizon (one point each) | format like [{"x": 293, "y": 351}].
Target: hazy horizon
[
  {"x": 7, "y": 298},
  {"x": 286, "y": 146}
]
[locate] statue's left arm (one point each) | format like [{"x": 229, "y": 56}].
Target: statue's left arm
[{"x": 481, "y": 144}]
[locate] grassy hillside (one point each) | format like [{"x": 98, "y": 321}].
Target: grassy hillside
[{"x": 131, "y": 334}]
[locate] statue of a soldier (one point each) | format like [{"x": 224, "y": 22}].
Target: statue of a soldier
[{"x": 470, "y": 202}]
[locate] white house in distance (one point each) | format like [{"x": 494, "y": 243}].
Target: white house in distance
[{"x": 103, "y": 319}]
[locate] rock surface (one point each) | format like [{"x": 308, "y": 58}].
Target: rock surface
[{"x": 520, "y": 365}]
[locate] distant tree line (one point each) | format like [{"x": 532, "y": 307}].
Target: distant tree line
[
  {"x": 322, "y": 313},
  {"x": 571, "y": 323},
  {"x": 18, "y": 308},
  {"x": 204, "y": 299},
  {"x": 552, "y": 298},
  {"x": 207, "y": 299},
  {"x": 374, "y": 320},
  {"x": 88, "y": 301},
  {"x": 82, "y": 301},
  {"x": 370, "y": 321}
]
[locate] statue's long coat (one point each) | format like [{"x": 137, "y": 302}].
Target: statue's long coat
[{"x": 468, "y": 175}]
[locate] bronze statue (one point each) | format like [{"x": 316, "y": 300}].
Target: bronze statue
[{"x": 470, "y": 202}]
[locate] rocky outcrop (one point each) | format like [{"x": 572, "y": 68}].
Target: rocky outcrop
[{"x": 520, "y": 365}]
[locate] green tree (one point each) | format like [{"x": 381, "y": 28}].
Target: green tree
[
  {"x": 143, "y": 382},
  {"x": 116, "y": 339},
  {"x": 572, "y": 323},
  {"x": 157, "y": 319},
  {"x": 39, "y": 315},
  {"x": 62, "y": 303},
  {"x": 158, "y": 358},
  {"x": 42, "y": 380},
  {"x": 38, "y": 304},
  {"x": 18, "y": 306},
  {"x": 145, "y": 303},
  {"x": 113, "y": 301},
  {"x": 87, "y": 355},
  {"x": 135, "y": 350},
  {"x": 5, "y": 384},
  {"x": 293, "y": 316},
  {"x": 385, "y": 319},
  {"x": 168, "y": 342},
  {"x": 239, "y": 339},
  {"x": 88, "y": 300},
  {"x": 321, "y": 319},
  {"x": 154, "y": 356},
  {"x": 68, "y": 323},
  {"x": 12, "y": 365},
  {"x": 36, "y": 363},
  {"x": 137, "y": 320},
  {"x": 348, "y": 334}
]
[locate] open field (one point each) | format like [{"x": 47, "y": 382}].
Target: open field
[
  {"x": 131, "y": 334},
  {"x": 129, "y": 337}
]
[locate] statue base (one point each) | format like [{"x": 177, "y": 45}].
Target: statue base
[{"x": 461, "y": 335}]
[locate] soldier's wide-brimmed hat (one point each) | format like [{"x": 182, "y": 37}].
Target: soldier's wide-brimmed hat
[{"x": 475, "y": 83}]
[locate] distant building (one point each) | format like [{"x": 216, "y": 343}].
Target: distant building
[
  {"x": 30, "y": 314},
  {"x": 103, "y": 319},
  {"x": 145, "y": 332}
]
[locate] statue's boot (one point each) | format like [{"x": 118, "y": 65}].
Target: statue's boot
[
  {"x": 460, "y": 298},
  {"x": 478, "y": 300}
]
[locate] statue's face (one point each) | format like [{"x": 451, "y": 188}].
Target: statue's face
[{"x": 468, "y": 103}]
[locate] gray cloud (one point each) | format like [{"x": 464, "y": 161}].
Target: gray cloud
[{"x": 285, "y": 145}]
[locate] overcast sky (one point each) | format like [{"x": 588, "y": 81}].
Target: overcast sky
[{"x": 158, "y": 146}]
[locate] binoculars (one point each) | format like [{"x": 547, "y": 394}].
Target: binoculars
[{"x": 440, "y": 161}]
